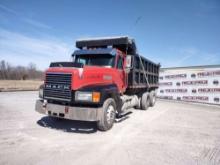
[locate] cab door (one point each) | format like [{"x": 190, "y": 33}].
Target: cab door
[{"x": 121, "y": 81}]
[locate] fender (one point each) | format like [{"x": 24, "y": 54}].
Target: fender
[{"x": 107, "y": 91}]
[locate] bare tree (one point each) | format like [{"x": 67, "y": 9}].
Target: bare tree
[
  {"x": 3, "y": 70},
  {"x": 8, "y": 72}
]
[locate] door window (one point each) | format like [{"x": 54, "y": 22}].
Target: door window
[{"x": 120, "y": 63}]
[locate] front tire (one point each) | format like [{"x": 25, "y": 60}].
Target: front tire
[{"x": 108, "y": 116}]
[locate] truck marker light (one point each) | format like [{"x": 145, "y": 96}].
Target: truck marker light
[
  {"x": 95, "y": 97},
  {"x": 66, "y": 109}
]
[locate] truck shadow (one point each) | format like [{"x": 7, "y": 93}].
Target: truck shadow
[{"x": 68, "y": 125}]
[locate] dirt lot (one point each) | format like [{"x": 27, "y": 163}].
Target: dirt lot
[
  {"x": 19, "y": 85},
  {"x": 169, "y": 133}
]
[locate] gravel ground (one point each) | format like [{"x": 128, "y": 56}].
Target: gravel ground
[{"x": 168, "y": 133}]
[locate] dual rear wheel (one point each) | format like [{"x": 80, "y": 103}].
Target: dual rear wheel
[{"x": 147, "y": 100}]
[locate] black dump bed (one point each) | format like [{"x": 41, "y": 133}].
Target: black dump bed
[
  {"x": 143, "y": 75},
  {"x": 140, "y": 65}
]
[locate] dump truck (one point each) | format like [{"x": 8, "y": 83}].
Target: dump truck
[{"x": 105, "y": 79}]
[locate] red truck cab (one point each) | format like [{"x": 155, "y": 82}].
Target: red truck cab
[{"x": 100, "y": 66}]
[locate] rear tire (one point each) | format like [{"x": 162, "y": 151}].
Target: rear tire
[
  {"x": 152, "y": 98},
  {"x": 108, "y": 116},
  {"x": 145, "y": 101},
  {"x": 139, "y": 104}
]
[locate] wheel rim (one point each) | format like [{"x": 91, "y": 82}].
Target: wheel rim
[
  {"x": 154, "y": 98},
  {"x": 148, "y": 101},
  {"x": 110, "y": 114}
]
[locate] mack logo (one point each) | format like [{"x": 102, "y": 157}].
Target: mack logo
[{"x": 57, "y": 86}]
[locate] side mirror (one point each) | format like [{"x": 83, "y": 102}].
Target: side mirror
[{"x": 128, "y": 61}]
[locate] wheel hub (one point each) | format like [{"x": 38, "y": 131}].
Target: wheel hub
[{"x": 110, "y": 114}]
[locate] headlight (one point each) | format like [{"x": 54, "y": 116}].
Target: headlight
[
  {"x": 41, "y": 92},
  {"x": 87, "y": 96},
  {"x": 83, "y": 96}
]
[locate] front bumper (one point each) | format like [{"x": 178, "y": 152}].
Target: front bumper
[{"x": 69, "y": 112}]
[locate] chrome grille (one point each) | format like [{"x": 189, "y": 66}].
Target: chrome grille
[{"x": 58, "y": 86}]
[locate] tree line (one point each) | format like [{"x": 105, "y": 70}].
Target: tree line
[{"x": 9, "y": 72}]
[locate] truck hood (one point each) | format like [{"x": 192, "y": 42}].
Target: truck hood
[{"x": 86, "y": 76}]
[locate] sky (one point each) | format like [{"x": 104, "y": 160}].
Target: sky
[{"x": 170, "y": 32}]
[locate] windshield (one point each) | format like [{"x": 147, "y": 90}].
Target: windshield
[{"x": 105, "y": 60}]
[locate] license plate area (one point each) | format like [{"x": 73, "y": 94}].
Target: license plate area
[{"x": 55, "y": 112}]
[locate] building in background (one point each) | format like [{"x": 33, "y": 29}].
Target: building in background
[{"x": 193, "y": 83}]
